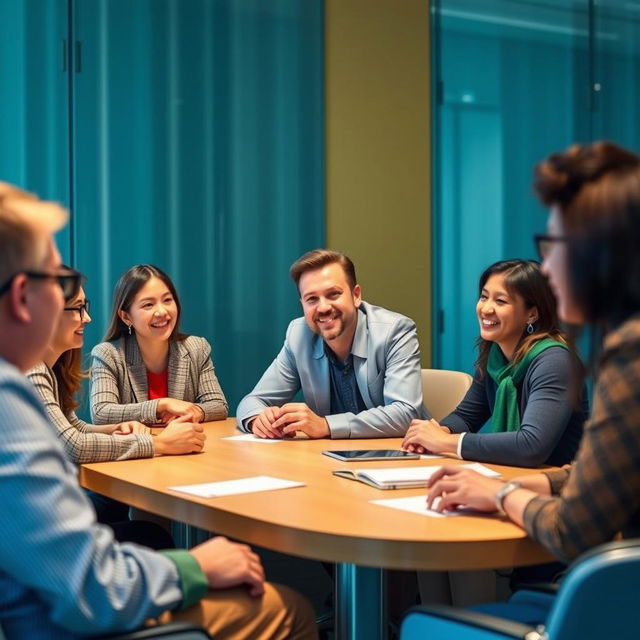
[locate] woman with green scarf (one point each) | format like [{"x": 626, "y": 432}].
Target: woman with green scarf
[{"x": 522, "y": 383}]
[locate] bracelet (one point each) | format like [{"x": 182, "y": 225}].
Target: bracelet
[{"x": 504, "y": 492}]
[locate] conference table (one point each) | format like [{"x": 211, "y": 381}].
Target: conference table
[{"x": 329, "y": 518}]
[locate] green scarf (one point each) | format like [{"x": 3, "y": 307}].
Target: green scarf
[{"x": 506, "y": 414}]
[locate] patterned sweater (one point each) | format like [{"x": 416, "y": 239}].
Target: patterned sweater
[{"x": 80, "y": 445}]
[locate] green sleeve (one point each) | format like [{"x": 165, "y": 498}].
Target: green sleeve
[{"x": 192, "y": 579}]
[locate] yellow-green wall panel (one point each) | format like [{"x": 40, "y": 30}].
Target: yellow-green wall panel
[{"x": 378, "y": 150}]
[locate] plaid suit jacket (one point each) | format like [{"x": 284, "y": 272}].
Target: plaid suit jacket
[
  {"x": 599, "y": 495},
  {"x": 119, "y": 388}
]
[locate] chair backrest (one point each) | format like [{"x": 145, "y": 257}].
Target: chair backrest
[
  {"x": 598, "y": 598},
  {"x": 442, "y": 390}
]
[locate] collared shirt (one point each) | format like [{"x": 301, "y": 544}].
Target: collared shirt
[{"x": 344, "y": 392}]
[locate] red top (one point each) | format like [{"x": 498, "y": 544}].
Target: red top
[{"x": 158, "y": 384}]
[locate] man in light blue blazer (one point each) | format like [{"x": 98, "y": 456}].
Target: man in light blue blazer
[{"x": 358, "y": 365}]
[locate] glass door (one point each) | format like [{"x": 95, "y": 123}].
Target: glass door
[{"x": 512, "y": 84}]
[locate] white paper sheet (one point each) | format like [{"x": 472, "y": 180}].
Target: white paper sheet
[
  {"x": 233, "y": 487},
  {"x": 418, "y": 504},
  {"x": 250, "y": 437}
]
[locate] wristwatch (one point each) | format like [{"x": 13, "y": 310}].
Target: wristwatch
[{"x": 504, "y": 492}]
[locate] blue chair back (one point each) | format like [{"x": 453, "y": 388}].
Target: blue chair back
[
  {"x": 598, "y": 599},
  {"x": 600, "y": 595}
]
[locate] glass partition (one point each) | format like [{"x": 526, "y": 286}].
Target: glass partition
[{"x": 514, "y": 80}]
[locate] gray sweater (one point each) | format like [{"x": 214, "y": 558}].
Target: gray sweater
[{"x": 550, "y": 429}]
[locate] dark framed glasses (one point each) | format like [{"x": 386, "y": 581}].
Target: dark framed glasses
[
  {"x": 81, "y": 309},
  {"x": 69, "y": 281},
  {"x": 544, "y": 243}
]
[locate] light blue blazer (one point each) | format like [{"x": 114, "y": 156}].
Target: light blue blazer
[{"x": 386, "y": 360}]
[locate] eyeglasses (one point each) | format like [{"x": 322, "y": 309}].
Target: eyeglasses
[
  {"x": 544, "y": 243},
  {"x": 70, "y": 281},
  {"x": 81, "y": 309}
]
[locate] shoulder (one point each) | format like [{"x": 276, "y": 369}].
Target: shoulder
[
  {"x": 617, "y": 385},
  {"x": 195, "y": 345},
  {"x": 40, "y": 369},
  {"x": 109, "y": 350},
  {"x": 554, "y": 363},
  {"x": 624, "y": 340},
  {"x": 40, "y": 375},
  {"x": 298, "y": 330},
  {"x": 621, "y": 351},
  {"x": 381, "y": 320},
  {"x": 16, "y": 390}
]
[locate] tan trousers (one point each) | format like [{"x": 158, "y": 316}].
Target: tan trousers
[{"x": 232, "y": 614}]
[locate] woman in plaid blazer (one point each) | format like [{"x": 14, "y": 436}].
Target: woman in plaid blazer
[
  {"x": 147, "y": 370},
  {"x": 57, "y": 380}
]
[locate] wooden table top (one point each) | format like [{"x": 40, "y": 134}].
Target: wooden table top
[{"x": 329, "y": 519}]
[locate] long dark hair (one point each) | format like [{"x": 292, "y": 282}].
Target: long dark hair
[
  {"x": 69, "y": 375},
  {"x": 126, "y": 290},
  {"x": 523, "y": 278},
  {"x": 596, "y": 188}
]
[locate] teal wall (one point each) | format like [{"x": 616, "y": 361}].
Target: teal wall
[{"x": 194, "y": 140}]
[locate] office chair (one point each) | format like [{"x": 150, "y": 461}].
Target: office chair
[
  {"x": 442, "y": 390},
  {"x": 598, "y": 598}
]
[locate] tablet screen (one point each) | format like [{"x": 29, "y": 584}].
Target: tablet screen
[{"x": 371, "y": 454}]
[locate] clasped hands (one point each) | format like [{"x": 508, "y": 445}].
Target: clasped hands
[
  {"x": 284, "y": 421},
  {"x": 183, "y": 432},
  {"x": 170, "y": 408}
]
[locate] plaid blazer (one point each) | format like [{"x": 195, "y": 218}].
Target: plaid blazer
[
  {"x": 599, "y": 495},
  {"x": 80, "y": 444},
  {"x": 119, "y": 388}
]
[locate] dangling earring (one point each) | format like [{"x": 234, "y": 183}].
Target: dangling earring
[
  {"x": 529, "y": 328},
  {"x": 129, "y": 328}
]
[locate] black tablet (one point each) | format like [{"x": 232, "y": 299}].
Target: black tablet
[{"x": 372, "y": 454}]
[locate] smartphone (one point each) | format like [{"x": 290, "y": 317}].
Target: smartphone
[{"x": 372, "y": 454}]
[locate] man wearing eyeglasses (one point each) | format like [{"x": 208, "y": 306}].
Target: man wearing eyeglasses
[{"x": 61, "y": 574}]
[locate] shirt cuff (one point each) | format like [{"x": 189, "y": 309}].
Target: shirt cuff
[
  {"x": 459, "y": 447},
  {"x": 150, "y": 411},
  {"x": 146, "y": 444},
  {"x": 193, "y": 582},
  {"x": 339, "y": 425}
]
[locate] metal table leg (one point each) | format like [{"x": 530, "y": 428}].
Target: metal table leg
[{"x": 360, "y": 603}]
